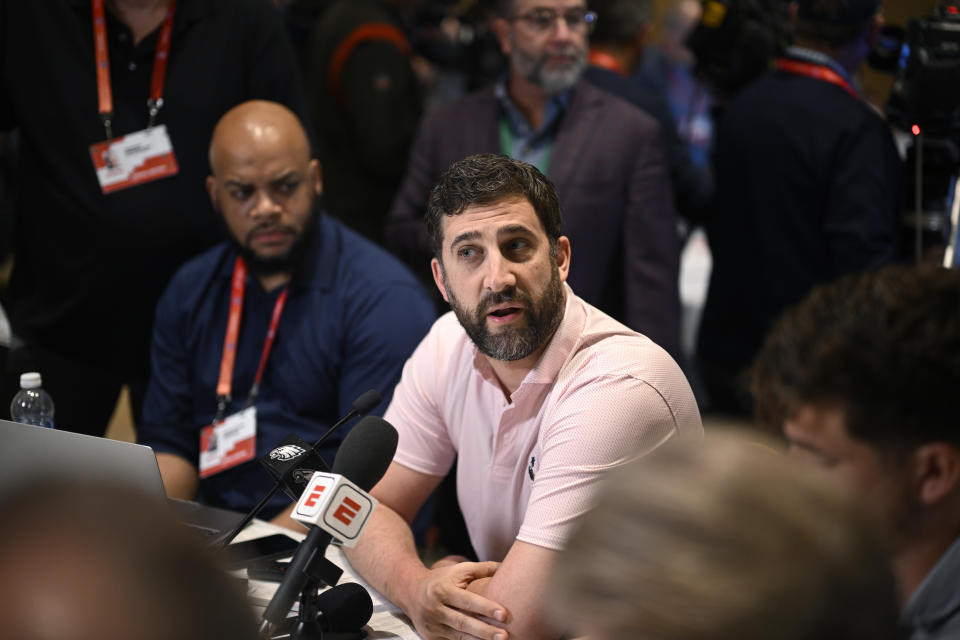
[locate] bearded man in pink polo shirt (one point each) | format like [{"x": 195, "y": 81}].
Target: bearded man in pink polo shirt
[{"x": 538, "y": 392}]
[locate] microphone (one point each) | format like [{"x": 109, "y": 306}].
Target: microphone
[
  {"x": 362, "y": 460},
  {"x": 293, "y": 462},
  {"x": 339, "y": 613},
  {"x": 344, "y": 608}
]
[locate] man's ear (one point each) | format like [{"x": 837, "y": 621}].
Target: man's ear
[
  {"x": 563, "y": 257},
  {"x": 212, "y": 191},
  {"x": 937, "y": 471},
  {"x": 501, "y": 29},
  {"x": 438, "y": 277},
  {"x": 316, "y": 176}
]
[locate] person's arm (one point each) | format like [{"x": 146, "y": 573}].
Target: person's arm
[
  {"x": 382, "y": 326},
  {"x": 861, "y": 217},
  {"x": 437, "y": 600},
  {"x": 180, "y": 478},
  {"x": 271, "y": 68},
  {"x": 166, "y": 424},
  {"x": 406, "y": 234},
  {"x": 520, "y": 582},
  {"x": 651, "y": 256}
]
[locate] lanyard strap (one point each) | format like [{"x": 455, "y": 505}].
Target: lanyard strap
[
  {"x": 104, "y": 90},
  {"x": 817, "y": 71},
  {"x": 225, "y": 383},
  {"x": 605, "y": 61}
]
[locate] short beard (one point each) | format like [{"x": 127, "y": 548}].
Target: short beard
[
  {"x": 551, "y": 81},
  {"x": 510, "y": 344},
  {"x": 287, "y": 263}
]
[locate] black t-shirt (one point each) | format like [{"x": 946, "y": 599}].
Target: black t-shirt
[{"x": 90, "y": 267}]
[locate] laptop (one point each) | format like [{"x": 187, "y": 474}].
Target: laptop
[{"x": 29, "y": 454}]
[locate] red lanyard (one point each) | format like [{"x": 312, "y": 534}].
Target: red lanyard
[
  {"x": 605, "y": 61},
  {"x": 104, "y": 91},
  {"x": 815, "y": 71},
  {"x": 225, "y": 383}
]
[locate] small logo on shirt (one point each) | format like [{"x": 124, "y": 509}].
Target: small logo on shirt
[{"x": 533, "y": 461}]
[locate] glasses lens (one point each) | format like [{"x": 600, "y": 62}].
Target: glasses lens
[
  {"x": 543, "y": 19},
  {"x": 575, "y": 19}
]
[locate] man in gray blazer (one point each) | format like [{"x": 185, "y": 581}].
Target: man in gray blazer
[{"x": 604, "y": 155}]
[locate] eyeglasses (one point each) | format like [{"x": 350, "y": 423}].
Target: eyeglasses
[{"x": 542, "y": 19}]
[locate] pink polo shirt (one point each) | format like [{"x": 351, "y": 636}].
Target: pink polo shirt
[{"x": 600, "y": 396}]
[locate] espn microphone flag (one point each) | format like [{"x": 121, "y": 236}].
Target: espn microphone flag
[{"x": 336, "y": 505}]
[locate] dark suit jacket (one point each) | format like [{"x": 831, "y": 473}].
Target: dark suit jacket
[{"x": 608, "y": 166}]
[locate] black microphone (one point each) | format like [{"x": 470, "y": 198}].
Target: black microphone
[
  {"x": 339, "y": 613},
  {"x": 363, "y": 458},
  {"x": 344, "y": 608},
  {"x": 293, "y": 462}
]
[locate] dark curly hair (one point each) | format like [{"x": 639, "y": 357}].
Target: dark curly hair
[
  {"x": 883, "y": 347},
  {"x": 489, "y": 178}
]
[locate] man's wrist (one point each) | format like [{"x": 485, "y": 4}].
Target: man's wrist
[{"x": 408, "y": 577}]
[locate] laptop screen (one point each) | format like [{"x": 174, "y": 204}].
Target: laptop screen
[{"x": 29, "y": 454}]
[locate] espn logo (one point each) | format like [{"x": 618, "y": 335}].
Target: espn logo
[{"x": 336, "y": 505}]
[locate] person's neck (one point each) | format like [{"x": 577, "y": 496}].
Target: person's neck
[
  {"x": 915, "y": 560},
  {"x": 273, "y": 281},
  {"x": 140, "y": 16},
  {"x": 529, "y": 98},
  {"x": 625, "y": 56},
  {"x": 848, "y": 56},
  {"x": 510, "y": 373}
]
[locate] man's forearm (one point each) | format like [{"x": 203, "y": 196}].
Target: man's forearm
[
  {"x": 386, "y": 556},
  {"x": 179, "y": 476}
]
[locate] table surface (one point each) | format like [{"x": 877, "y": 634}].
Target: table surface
[{"x": 388, "y": 621}]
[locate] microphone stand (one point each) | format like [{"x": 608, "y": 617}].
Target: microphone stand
[{"x": 307, "y": 625}]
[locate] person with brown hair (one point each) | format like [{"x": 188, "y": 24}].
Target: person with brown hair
[
  {"x": 862, "y": 377},
  {"x": 728, "y": 541},
  {"x": 536, "y": 393}
]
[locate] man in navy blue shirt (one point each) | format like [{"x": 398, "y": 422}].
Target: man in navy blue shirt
[{"x": 277, "y": 330}]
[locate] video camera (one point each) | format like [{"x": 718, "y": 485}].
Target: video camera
[{"x": 925, "y": 101}]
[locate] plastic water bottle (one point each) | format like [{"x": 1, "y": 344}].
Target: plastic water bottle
[{"x": 32, "y": 405}]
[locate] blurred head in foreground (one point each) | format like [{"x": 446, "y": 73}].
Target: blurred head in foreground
[
  {"x": 727, "y": 541},
  {"x": 84, "y": 562}
]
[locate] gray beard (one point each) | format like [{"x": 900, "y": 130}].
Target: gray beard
[{"x": 550, "y": 80}]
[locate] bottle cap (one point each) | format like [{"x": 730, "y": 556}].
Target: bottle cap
[{"x": 30, "y": 380}]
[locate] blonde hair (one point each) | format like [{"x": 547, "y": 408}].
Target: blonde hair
[{"x": 725, "y": 541}]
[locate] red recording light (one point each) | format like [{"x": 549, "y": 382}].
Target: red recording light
[
  {"x": 915, "y": 129},
  {"x": 953, "y": 9}
]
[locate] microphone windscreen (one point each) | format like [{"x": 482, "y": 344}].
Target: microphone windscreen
[
  {"x": 345, "y": 607},
  {"x": 367, "y": 402},
  {"x": 366, "y": 452}
]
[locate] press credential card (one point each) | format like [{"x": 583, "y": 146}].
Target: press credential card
[
  {"x": 226, "y": 444},
  {"x": 143, "y": 156}
]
